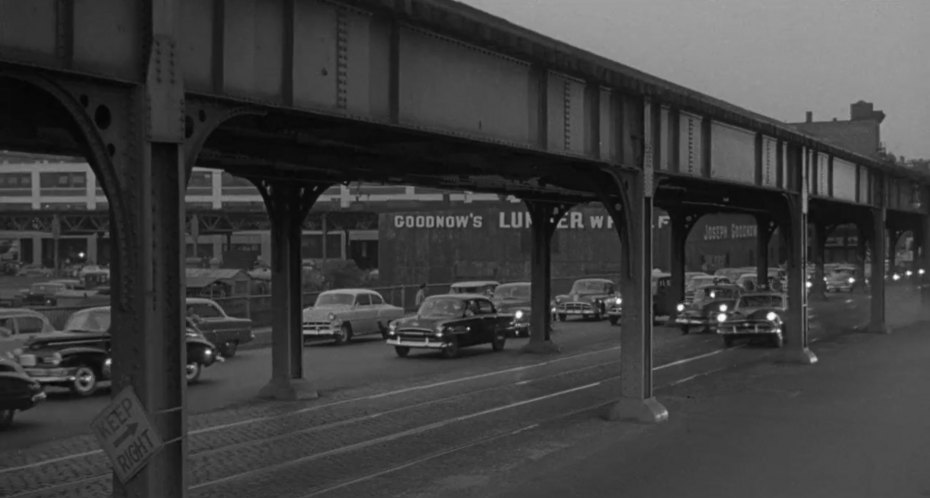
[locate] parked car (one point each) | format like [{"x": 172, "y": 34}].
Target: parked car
[
  {"x": 34, "y": 270},
  {"x": 346, "y": 313},
  {"x": 18, "y": 325},
  {"x": 227, "y": 332},
  {"x": 756, "y": 314},
  {"x": 708, "y": 301},
  {"x": 485, "y": 287},
  {"x": 46, "y": 293},
  {"x": 18, "y": 391},
  {"x": 514, "y": 298},
  {"x": 79, "y": 357},
  {"x": 587, "y": 299},
  {"x": 449, "y": 322}
]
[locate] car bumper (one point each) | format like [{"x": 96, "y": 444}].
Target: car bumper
[
  {"x": 318, "y": 332},
  {"x": 575, "y": 312},
  {"x": 752, "y": 330},
  {"x": 425, "y": 343},
  {"x": 47, "y": 376},
  {"x": 692, "y": 321}
]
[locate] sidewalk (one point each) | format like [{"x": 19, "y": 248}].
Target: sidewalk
[{"x": 854, "y": 425}]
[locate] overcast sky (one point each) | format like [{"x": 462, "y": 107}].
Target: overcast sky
[{"x": 779, "y": 58}]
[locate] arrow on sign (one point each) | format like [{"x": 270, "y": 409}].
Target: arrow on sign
[{"x": 130, "y": 431}]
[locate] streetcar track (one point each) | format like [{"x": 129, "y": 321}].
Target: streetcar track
[{"x": 380, "y": 439}]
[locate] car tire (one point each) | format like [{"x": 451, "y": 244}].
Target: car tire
[
  {"x": 345, "y": 334},
  {"x": 6, "y": 418},
  {"x": 498, "y": 343},
  {"x": 402, "y": 351},
  {"x": 192, "y": 372},
  {"x": 613, "y": 320},
  {"x": 85, "y": 381},
  {"x": 229, "y": 349},
  {"x": 452, "y": 349}
]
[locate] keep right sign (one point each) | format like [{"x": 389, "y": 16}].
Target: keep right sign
[{"x": 125, "y": 434}]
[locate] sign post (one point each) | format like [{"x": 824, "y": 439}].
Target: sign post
[{"x": 125, "y": 434}]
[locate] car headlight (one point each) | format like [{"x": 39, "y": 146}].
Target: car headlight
[
  {"x": 107, "y": 363},
  {"x": 771, "y": 316},
  {"x": 723, "y": 308},
  {"x": 618, "y": 301},
  {"x": 920, "y": 271},
  {"x": 896, "y": 277},
  {"x": 331, "y": 317},
  {"x": 53, "y": 359},
  {"x": 722, "y": 317},
  {"x": 392, "y": 326},
  {"x": 809, "y": 284},
  {"x": 851, "y": 280},
  {"x": 553, "y": 309},
  {"x": 908, "y": 273},
  {"x": 558, "y": 300},
  {"x": 680, "y": 307},
  {"x": 208, "y": 352},
  {"x": 518, "y": 315},
  {"x": 713, "y": 295}
]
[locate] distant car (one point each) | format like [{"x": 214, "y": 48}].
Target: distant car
[
  {"x": 615, "y": 309},
  {"x": 47, "y": 293},
  {"x": 588, "y": 299},
  {"x": 226, "y": 332},
  {"x": 346, "y": 313},
  {"x": 707, "y": 302},
  {"x": 18, "y": 391},
  {"x": 756, "y": 314},
  {"x": 485, "y": 287},
  {"x": 514, "y": 298},
  {"x": 19, "y": 325},
  {"x": 33, "y": 270},
  {"x": 449, "y": 322},
  {"x": 700, "y": 281},
  {"x": 79, "y": 357},
  {"x": 839, "y": 280}
]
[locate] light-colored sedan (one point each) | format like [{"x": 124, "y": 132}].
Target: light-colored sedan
[{"x": 346, "y": 313}]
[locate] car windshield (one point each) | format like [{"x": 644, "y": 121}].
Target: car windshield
[
  {"x": 708, "y": 293},
  {"x": 513, "y": 291},
  {"x": 582, "y": 286},
  {"x": 89, "y": 321},
  {"x": 334, "y": 298},
  {"x": 46, "y": 288},
  {"x": 760, "y": 302},
  {"x": 701, "y": 280},
  {"x": 442, "y": 306}
]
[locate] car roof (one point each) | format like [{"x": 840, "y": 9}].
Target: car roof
[
  {"x": 763, "y": 293},
  {"x": 350, "y": 291},
  {"x": 475, "y": 283},
  {"x": 604, "y": 280},
  {"x": 461, "y": 296},
  {"x": 7, "y": 312},
  {"x": 515, "y": 283},
  {"x": 198, "y": 300}
]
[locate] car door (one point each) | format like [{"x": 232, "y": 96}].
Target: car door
[
  {"x": 382, "y": 311},
  {"x": 490, "y": 320},
  {"x": 8, "y": 339},
  {"x": 211, "y": 320},
  {"x": 363, "y": 316}
]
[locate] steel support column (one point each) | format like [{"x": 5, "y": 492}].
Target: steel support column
[
  {"x": 862, "y": 241},
  {"x": 636, "y": 397},
  {"x": 287, "y": 203},
  {"x": 796, "y": 348},
  {"x": 923, "y": 268},
  {"x": 879, "y": 240},
  {"x": 765, "y": 227},
  {"x": 818, "y": 247},
  {"x": 544, "y": 219}
]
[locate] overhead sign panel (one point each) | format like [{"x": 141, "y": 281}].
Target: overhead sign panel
[{"x": 126, "y": 435}]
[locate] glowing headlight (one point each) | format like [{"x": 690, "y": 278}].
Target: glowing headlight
[
  {"x": 851, "y": 280},
  {"x": 908, "y": 273},
  {"x": 107, "y": 363},
  {"x": 331, "y": 317},
  {"x": 392, "y": 326},
  {"x": 896, "y": 277},
  {"x": 920, "y": 271},
  {"x": 680, "y": 307},
  {"x": 713, "y": 295},
  {"x": 208, "y": 352},
  {"x": 723, "y": 308},
  {"x": 809, "y": 284},
  {"x": 619, "y": 301},
  {"x": 771, "y": 316},
  {"x": 518, "y": 315},
  {"x": 722, "y": 317},
  {"x": 553, "y": 309},
  {"x": 54, "y": 359}
]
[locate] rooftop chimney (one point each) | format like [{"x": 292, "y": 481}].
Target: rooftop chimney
[
  {"x": 810, "y": 116},
  {"x": 865, "y": 111}
]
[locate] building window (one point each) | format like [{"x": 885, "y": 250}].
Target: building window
[
  {"x": 15, "y": 206},
  {"x": 63, "y": 184},
  {"x": 64, "y": 206},
  {"x": 15, "y": 184}
]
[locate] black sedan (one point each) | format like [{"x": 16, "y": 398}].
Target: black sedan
[
  {"x": 449, "y": 322},
  {"x": 755, "y": 315},
  {"x": 18, "y": 391}
]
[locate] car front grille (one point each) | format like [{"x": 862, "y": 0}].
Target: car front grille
[{"x": 575, "y": 307}]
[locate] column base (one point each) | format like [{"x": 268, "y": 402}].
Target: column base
[
  {"x": 803, "y": 356},
  {"x": 878, "y": 328},
  {"x": 289, "y": 390},
  {"x": 646, "y": 411},
  {"x": 544, "y": 347}
]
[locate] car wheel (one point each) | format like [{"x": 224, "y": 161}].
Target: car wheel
[
  {"x": 562, "y": 317},
  {"x": 229, "y": 349},
  {"x": 727, "y": 341},
  {"x": 6, "y": 418},
  {"x": 452, "y": 349},
  {"x": 344, "y": 335},
  {"x": 192, "y": 372},
  {"x": 498, "y": 343},
  {"x": 402, "y": 351},
  {"x": 613, "y": 320},
  {"x": 85, "y": 381}
]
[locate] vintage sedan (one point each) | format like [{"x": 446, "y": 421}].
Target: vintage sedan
[
  {"x": 756, "y": 314},
  {"x": 708, "y": 301},
  {"x": 513, "y": 298},
  {"x": 47, "y": 293},
  {"x": 19, "y": 325},
  {"x": 79, "y": 357},
  {"x": 227, "y": 332},
  {"x": 839, "y": 280},
  {"x": 485, "y": 287},
  {"x": 18, "y": 391},
  {"x": 587, "y": 299},
  {"x": 346, "y": 313},
  {"x": 449, "y": 322}
]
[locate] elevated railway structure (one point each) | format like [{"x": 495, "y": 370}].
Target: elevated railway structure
[{"x": 297, "y": 96}]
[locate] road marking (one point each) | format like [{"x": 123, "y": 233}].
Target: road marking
[
  {"x": 395, "y": 436},
  {"x": 695, "y": 358}
]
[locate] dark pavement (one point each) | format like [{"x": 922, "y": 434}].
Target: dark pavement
[{"x": 855, "y": 425}]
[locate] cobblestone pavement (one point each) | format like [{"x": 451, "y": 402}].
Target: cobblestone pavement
[{"x": 298, "y": 449}]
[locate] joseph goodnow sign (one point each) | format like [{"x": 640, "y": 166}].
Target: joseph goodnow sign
[{"x": 513, "y": 219}]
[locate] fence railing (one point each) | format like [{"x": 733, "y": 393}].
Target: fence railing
[{"x": 259, "y": 309}]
